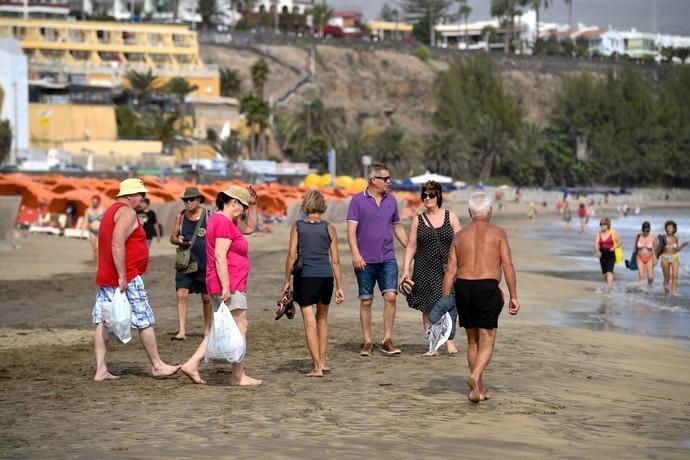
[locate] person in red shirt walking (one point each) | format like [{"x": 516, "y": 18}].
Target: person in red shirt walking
[{"x": 123, "y": 257}]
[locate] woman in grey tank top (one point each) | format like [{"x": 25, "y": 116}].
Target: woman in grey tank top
[{"x": 315, "y": 241}]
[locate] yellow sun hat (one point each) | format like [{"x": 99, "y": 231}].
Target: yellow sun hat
[{"x": 132, "y": 187}]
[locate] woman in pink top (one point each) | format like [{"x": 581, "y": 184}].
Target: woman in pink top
[{"x": 227, "y": 269}]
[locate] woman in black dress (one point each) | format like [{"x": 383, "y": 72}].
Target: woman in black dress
[{"x": 431, "y": 235}]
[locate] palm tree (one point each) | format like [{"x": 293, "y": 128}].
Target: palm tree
[
  {"x": 315, "y": 119},
  {"x": 464, "y": 11},
  {"x": 230, "y": 82},
  {"x": 320, "y": 15},
  {"x": 180, "y": 88},
  {"x": 506, "y": 10},
  {"x": 142, "y": 84},
  {"x": 161, "y": 125},
  {"x": 570, "y": 13},
  {"x": 259, "y": 72},
  {"x": 207, "y": 9},
  {"x": 536, "y": 4},
  {"x": 256, "y": 112}
]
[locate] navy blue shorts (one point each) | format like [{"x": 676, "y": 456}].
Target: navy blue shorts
[
  {"x": 312, "y": 290},
  {"x": 384, "y": 273}
]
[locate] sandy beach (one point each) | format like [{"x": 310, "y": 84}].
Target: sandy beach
[{"x": 556, "y": 392}]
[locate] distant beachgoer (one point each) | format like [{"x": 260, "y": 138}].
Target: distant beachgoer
[
  {"x": 372, "y": 220},
  {"x": 645, "y": 250},
  {"x": 193, "y": 220},
  {"x": 518, "y": 195},
  {"x": 669, "y": 248},
  {"x": 582, "y": 214},
  {"x": 227, "y": 270},
  {"x": 122, "y": 258},
  {"x": 316, "y": 242},
  {"x": 430, "y": 237},
  {"x": 567, "y": 214},
  {"x": 605, "y": 244},
  {"x": 148, "y": 219},
  {"x": 478, "y": 259},
  {"x": 532, "y": 211},
  {"x": 92, "y": 222},
  {"x": 500, "y": 199}
]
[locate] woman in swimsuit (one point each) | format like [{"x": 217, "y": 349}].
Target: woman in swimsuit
[
  {"x": 670, "y": 256},
  {"x": 92, "y": 222},
  {"x": 645, "y": 247},
  {"x": 605, "y": 245}
]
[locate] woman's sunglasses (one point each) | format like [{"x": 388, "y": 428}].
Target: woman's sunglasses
[{"x": 426, "y": 195}]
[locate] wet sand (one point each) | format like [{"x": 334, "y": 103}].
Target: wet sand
[{"x": 556, "y": 392}]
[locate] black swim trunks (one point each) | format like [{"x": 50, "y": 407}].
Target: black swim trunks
[
  {"x": 479, "y": 302},
  {"x": 195, "y": 282}
]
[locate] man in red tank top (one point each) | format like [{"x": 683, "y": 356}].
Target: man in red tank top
[{"x": 122, "y": 258}]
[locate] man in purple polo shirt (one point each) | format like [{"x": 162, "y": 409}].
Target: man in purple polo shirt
[{"x": 372, "y": 219}]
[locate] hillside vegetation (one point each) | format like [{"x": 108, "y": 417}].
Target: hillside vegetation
[{"x": 533, "y": 121}]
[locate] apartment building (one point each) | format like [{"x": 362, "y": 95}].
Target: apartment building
[{"x": 100, "y": 53}]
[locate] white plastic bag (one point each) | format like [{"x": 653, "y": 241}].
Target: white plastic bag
[
  {"x": 225, "y": 342},
  {"x": 119, "y": 320},
  {"x": 439, "y": 332}
]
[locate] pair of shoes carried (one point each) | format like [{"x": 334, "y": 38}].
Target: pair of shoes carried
[
  {"x": 285, "y": 306},
  {"x": 367, "y": 349},
  {"x": 388, "y": 348}
]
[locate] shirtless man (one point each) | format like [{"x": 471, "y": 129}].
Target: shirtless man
[{"x": 478, "y": 254}]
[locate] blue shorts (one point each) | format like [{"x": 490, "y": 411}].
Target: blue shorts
[
  {"x": 385, "y": 273},
  {"x": 142, "y": 314}
]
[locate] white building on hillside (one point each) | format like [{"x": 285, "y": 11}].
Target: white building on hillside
[
  {"x": 283, "y": 6},
  {"x": 14, "y": 75}
]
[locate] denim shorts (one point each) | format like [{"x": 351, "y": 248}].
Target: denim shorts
[
  {"x": 385, "y": 273},
  {"x": 142, "y": 314}
]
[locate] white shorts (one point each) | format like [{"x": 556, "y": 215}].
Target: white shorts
[{"x": 238, "y": 301}]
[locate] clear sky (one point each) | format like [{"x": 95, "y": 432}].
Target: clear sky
[{"x": 664, "y": 16}]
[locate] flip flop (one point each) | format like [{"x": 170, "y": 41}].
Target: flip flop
[
  {"x": 284, "y": 305},
  {"x": 180, "y": 339},
  {"x": 290, "y": 310}
]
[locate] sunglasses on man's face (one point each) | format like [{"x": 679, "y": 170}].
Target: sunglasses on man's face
[
  {"x": 188, "y": 200},
  {"x": 431, "y": 196},
  {"x": 383, "y": 178}
]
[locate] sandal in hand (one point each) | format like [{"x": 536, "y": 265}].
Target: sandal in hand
[{"x": 285, "y": 306}]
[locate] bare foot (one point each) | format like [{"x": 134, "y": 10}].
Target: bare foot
[
  {"x": 246, "y": 381},
  {"x": 325, "y": 369},
  {"x": 100, "y": 377},
  {"x": 484, "y": 396},
  {"x": 164, "y": 370},
  {"x": 315, "y": 373},
  {"x": 193, "y": 375},
  {"x": 474, "y": 389},
  {"x": 431, "y": 353},
  {"x": 450, "y": 346}
]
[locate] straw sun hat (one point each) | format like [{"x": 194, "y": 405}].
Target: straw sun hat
[
  {"x": 239, "y": 193},
  {"x": 131, "y": 187}
]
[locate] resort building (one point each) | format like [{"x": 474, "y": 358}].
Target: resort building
[
  {"x": 380, "y": 31},
  {"x": 100, "y": 53},
  {"x": 57, "y": 9}
]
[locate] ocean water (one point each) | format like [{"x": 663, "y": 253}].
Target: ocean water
[{"x": 629, "y": 307}]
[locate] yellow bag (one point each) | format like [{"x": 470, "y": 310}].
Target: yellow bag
[{"x": 618, "y": 251}]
